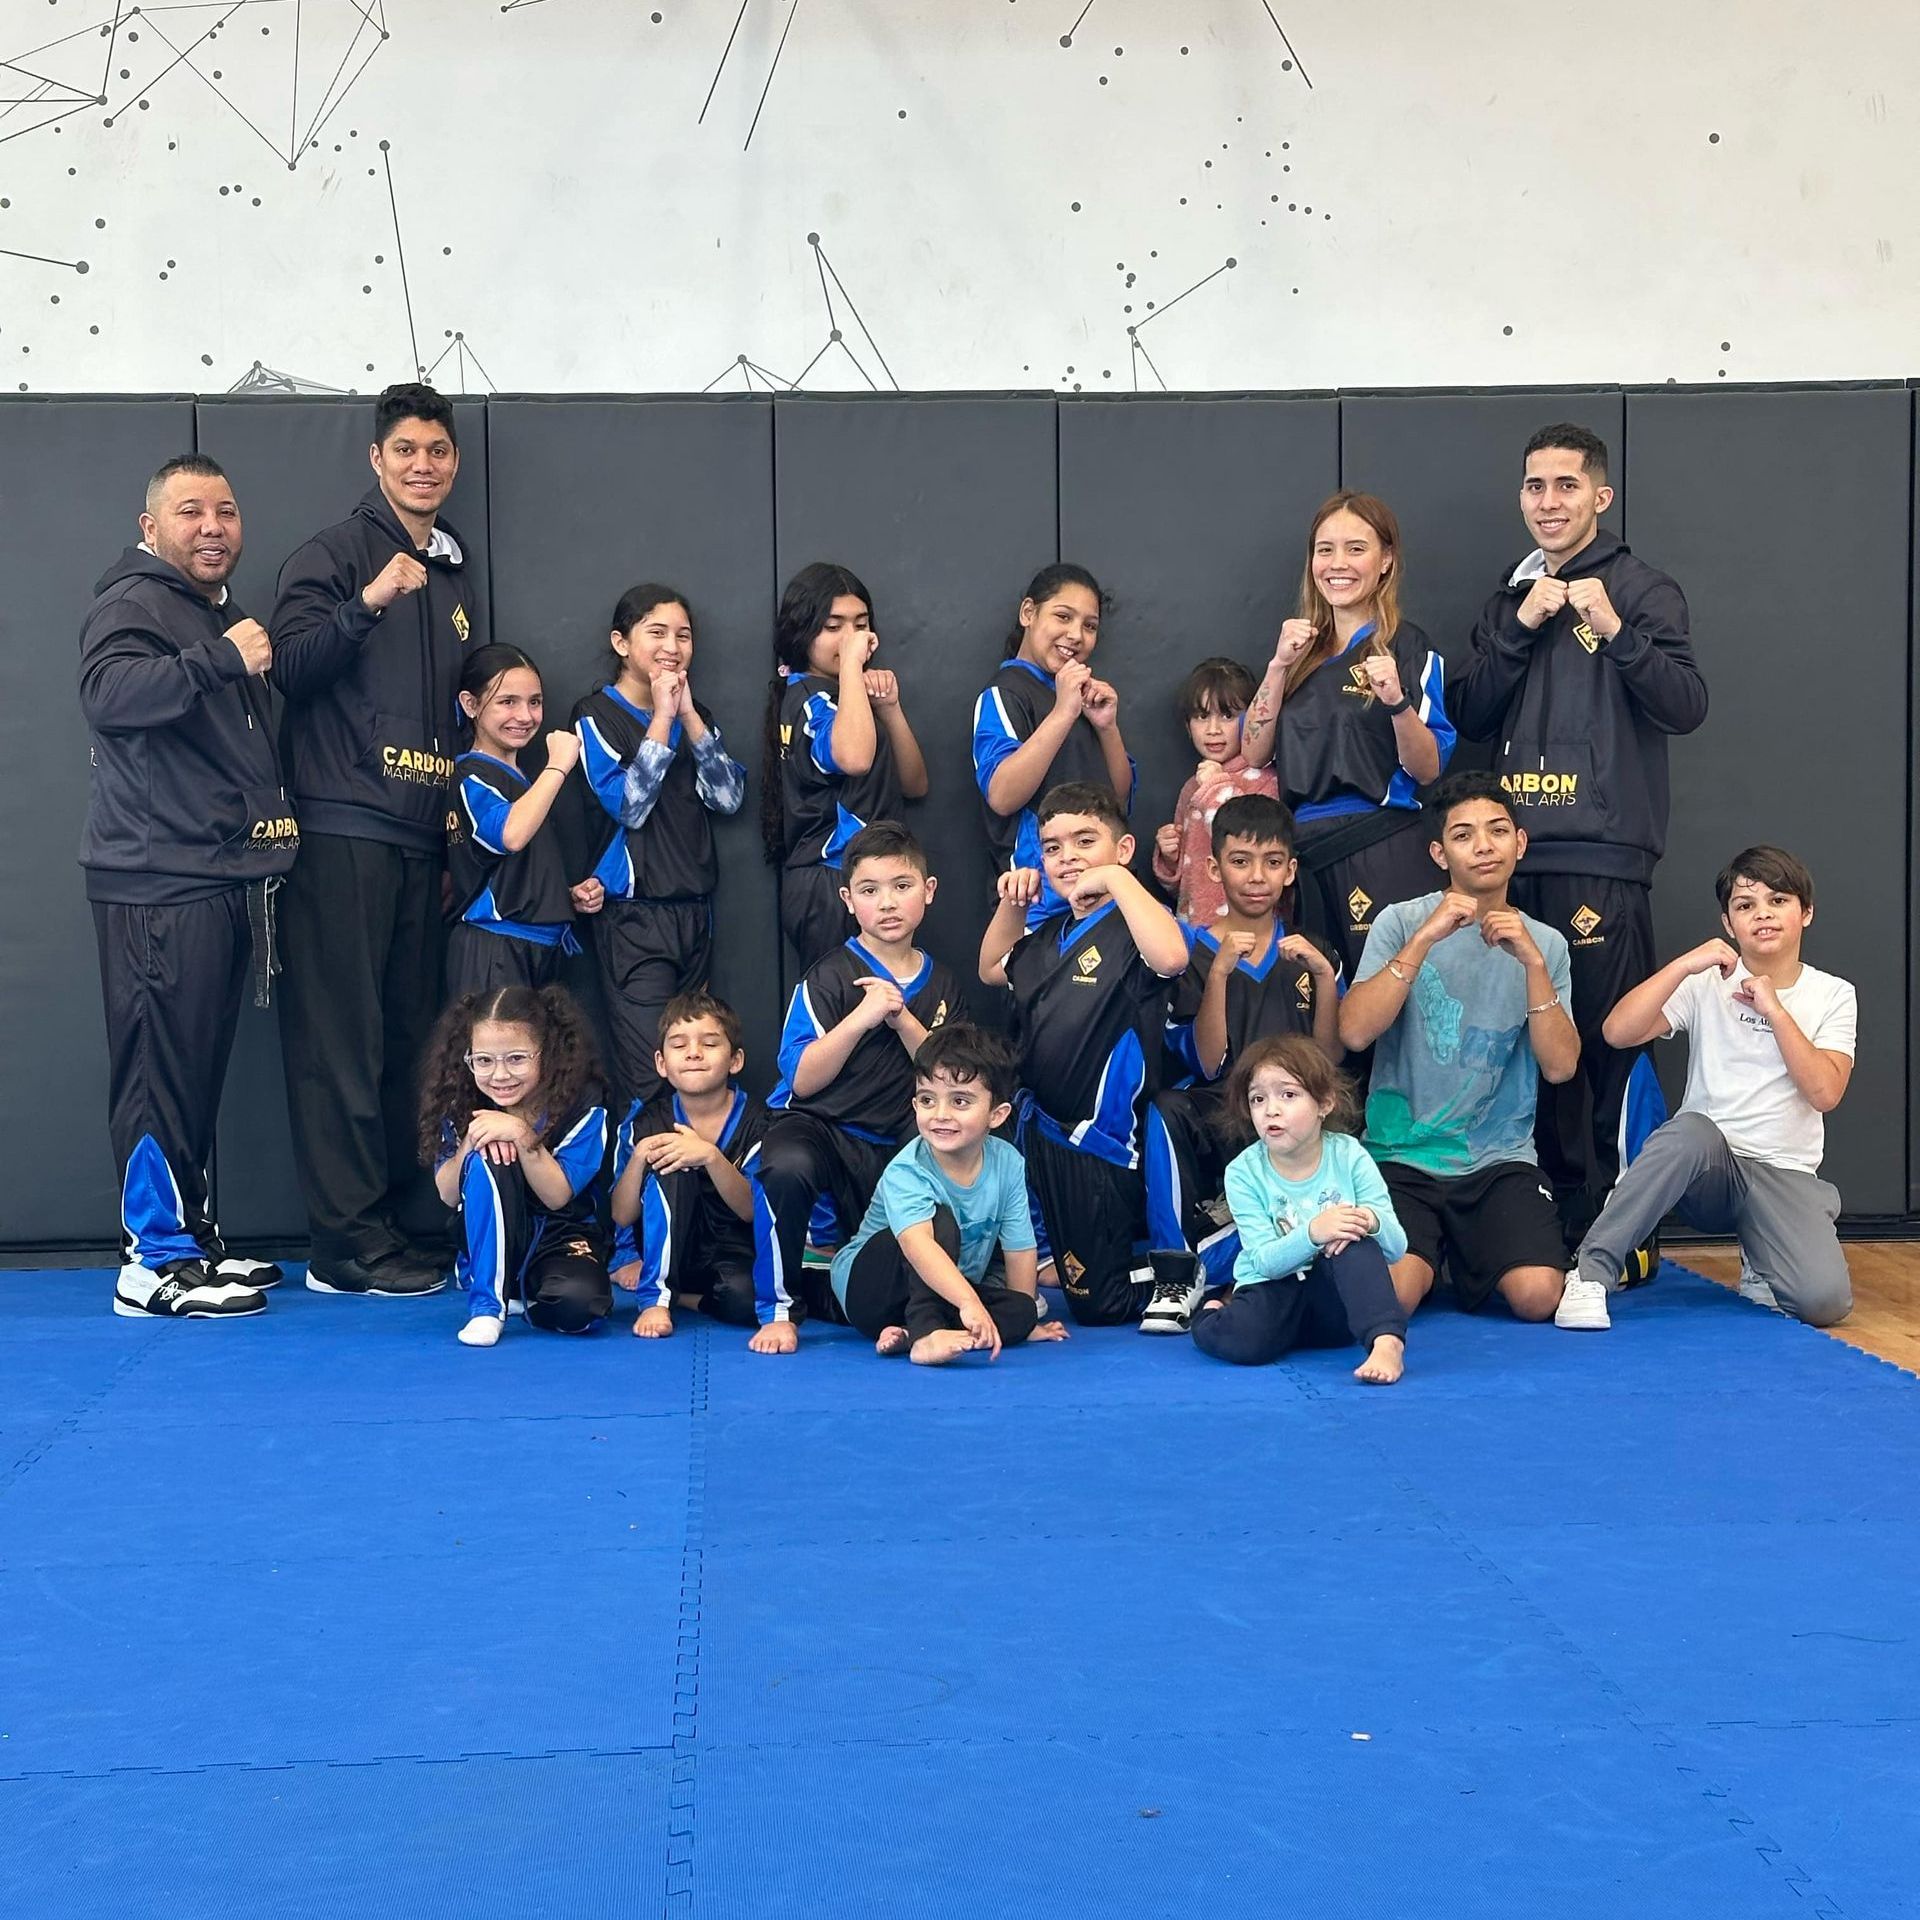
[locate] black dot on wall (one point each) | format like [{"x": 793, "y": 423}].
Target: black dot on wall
[
  {"x": 903, "y": 113},
  {"x": 447, "y": 250},
  {"x": 1713, "y": 139},
  {"x": 206, "y": 359},
  {"x": 813, "y": 239},
  {"x": 1506, "y": 329},
  {"x": 93, "y": 329},
  {"x": 173, "y": 263},
  {"x": 256, "y": 199},
  {"x": 1726, "y": 346},
  {"x": 80, "y": 266},
  {"x": 99, "y": 223},
  {"x": 1066, "y": 39},
  {"x": 1723, "y": 373},
  {"x": 1103, "y": 79},
  {"x": 1076, "y": 206},
  {"x": 379, "y": 259},
  {"x": 224, "y": 191},
  {"x": 1286, "y": 66}
]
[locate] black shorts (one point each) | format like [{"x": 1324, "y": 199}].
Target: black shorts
[{"x": 1478, "y": 1224}]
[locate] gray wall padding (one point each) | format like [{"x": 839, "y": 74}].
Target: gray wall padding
[
  {"x": 1191, "y": 510},
  {"x": 1784, "y": 516}
]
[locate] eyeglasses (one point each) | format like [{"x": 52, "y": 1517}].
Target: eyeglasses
[{"x": 512, "y": 1062}]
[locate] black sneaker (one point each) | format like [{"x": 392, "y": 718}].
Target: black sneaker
[
  {"x": 182, "y": 1290},
  {"x": 394, "y": 1276},
  {"x": 1642, "y": 1264},
  {"x": 254, "y": 1275},
  {"x": 1179, "y": 1281}
]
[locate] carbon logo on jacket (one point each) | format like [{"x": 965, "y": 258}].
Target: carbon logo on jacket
[
  {"x": 1359, "y": 906},
  {"x": 1584, "y": 923},
  {"x": 1088, "y": 964},
  {"x": 1542, "y": 789},
  {"x": 461, "y": 624},
  {"x": 456, "y": 827},
  {"x": 939, "y": 1016},
  {"x": 1357, "y": 681},
  {"x": 281, "y": 831},
  {"x": 1586, "y": 636},
  {"x": 1303, "y": 986},
  {"x": 418, "y": 764}
]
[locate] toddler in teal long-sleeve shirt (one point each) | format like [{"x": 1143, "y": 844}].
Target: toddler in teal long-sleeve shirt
[{"x": 1317, "y": 1228}]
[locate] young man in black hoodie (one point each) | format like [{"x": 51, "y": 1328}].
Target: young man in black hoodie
[
  {"x": 1581, "y": 670},
  {"x": 188, "y": 829},
  {"x": 373, "y": 620}
]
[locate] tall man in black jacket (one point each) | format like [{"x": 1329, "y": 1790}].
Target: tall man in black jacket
[
  {"x": 1581, "y": 669},
  {"x": 373, "y": 620},
  {"x": 188, "y": 829}
]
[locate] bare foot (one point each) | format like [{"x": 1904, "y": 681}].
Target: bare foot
[
  {"x": 893, "y": 1340},
  {"x": 653, "y": 1323},
  {"x": 937, "y": 1348},
  {"x": 1385, "y": 1363},
  {"x": 777, "y": 1336},
  {"x": 1048, "y": 1330},
  {"x": 628, "y": 1277}
]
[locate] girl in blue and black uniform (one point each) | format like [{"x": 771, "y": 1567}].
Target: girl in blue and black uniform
[
  {"x": 512, "y": 1122},
  {"x": 1044, "y": 720},
  {"x": 1352, "y": 714},
  {"x": 839, "y": 753},
  {"x": 512, "y": 906},
  {"x": 659, "y": 771}
]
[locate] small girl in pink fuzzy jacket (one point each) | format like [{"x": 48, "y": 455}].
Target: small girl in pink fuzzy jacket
[{"x": 1213, "y": 701}]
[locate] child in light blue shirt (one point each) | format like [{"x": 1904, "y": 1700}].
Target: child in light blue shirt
[
  {"x": 944, "y": 1262},
  {"x": 1317, "y": 1229}
]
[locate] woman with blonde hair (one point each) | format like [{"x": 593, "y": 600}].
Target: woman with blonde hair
[{"x": 1352, "y": 715}]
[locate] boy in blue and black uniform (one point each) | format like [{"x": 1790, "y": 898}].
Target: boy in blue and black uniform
[
  {"x": 1582, "y": 670},
  {"x": 372, "y": 622},
  {"x": 845, "y": 1098},
  {"x": 1089, "y": 988},
  {"x": 188, "y": 829},
  {"x": 686, "y": 1170},
  {"x": 1247, "y": 979}
]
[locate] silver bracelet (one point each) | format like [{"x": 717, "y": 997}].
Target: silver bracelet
[
  {"x": 1545, "y": 1006},
  {"x": 1393, "y": 967}
]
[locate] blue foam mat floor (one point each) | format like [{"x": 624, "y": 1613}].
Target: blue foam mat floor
[{"x": 323, "y": 1613}]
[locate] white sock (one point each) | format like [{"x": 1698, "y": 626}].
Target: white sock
[{"x": 483, "y": 1330}]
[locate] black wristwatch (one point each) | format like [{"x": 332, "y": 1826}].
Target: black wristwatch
[{"x": 1396, "y": 712}]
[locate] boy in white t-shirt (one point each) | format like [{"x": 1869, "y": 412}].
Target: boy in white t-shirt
[{"x": 1772, "y": 1052}]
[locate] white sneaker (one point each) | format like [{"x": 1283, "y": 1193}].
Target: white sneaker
[
  {"x": 483, "y": 1330},
  {"x": 1180, "y": 1282},
  {"x": 1583, "y": 1306},
  {"x": 185, "y": 1290},
  {"x": 251, "y": 1276}
]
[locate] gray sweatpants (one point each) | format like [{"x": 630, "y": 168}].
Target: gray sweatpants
[{"x": 1784, "y": 1218}]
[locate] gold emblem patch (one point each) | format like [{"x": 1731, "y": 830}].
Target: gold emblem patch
[
  {"x": 1089, "y": 962},
  {"x": 1586, "y": 636},
  {"x": 1584, "y": 922},
  {"x": 461, "y": 624},
  {"x": 1359, "y": 905},
  {"x": 939, "y": 1014}
]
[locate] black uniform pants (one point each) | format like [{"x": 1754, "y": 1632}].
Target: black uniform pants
[
  {"x": 1095, "y": 1216},
  {"x": 483, "y": 962},
  {"x": 884, "y": 1290},
  {"x": 1608, "y": 926},
  {"x": 1343, "y": 1298},
  {"x": 361, "y": 944},
  {"x": 812, "y": 914},
  {"x": 801, "y": 1158},
  {"x": 1341, "y": 899},
  {"x": 172, "y": 980},
  {"x": 515, "y": 1249},
  {"x": 647, "y": 951}
]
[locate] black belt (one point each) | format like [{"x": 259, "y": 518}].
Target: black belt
[{"x": 1349, "y": 833}]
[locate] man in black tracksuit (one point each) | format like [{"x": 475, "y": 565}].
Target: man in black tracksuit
[
  {"x": 1581, "y": 670},
  {"x": 373, "y": 619},
  {"x": 188, "y": 829}
]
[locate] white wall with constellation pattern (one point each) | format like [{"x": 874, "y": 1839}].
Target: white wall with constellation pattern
[{"x": 1095, "y": 195}]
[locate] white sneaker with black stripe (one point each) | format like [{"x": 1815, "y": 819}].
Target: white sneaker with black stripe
[
  {"x": 250, "y": 1276},
  {"x": 1179, "y": 1282},
  {"x": 182, "y": 1290}
]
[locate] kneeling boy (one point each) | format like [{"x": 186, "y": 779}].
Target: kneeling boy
[
  {"x": 1247, "y": 979},
  {"x": 684, "y": 1169},
  {"x": 845, "y": 1098},
  {"x": 1089, "y": 989},
  {"x": 1466, "y": 998},
  {"x": 944, "y": 1262},
  {"x": 1772, "y": 1052}
]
